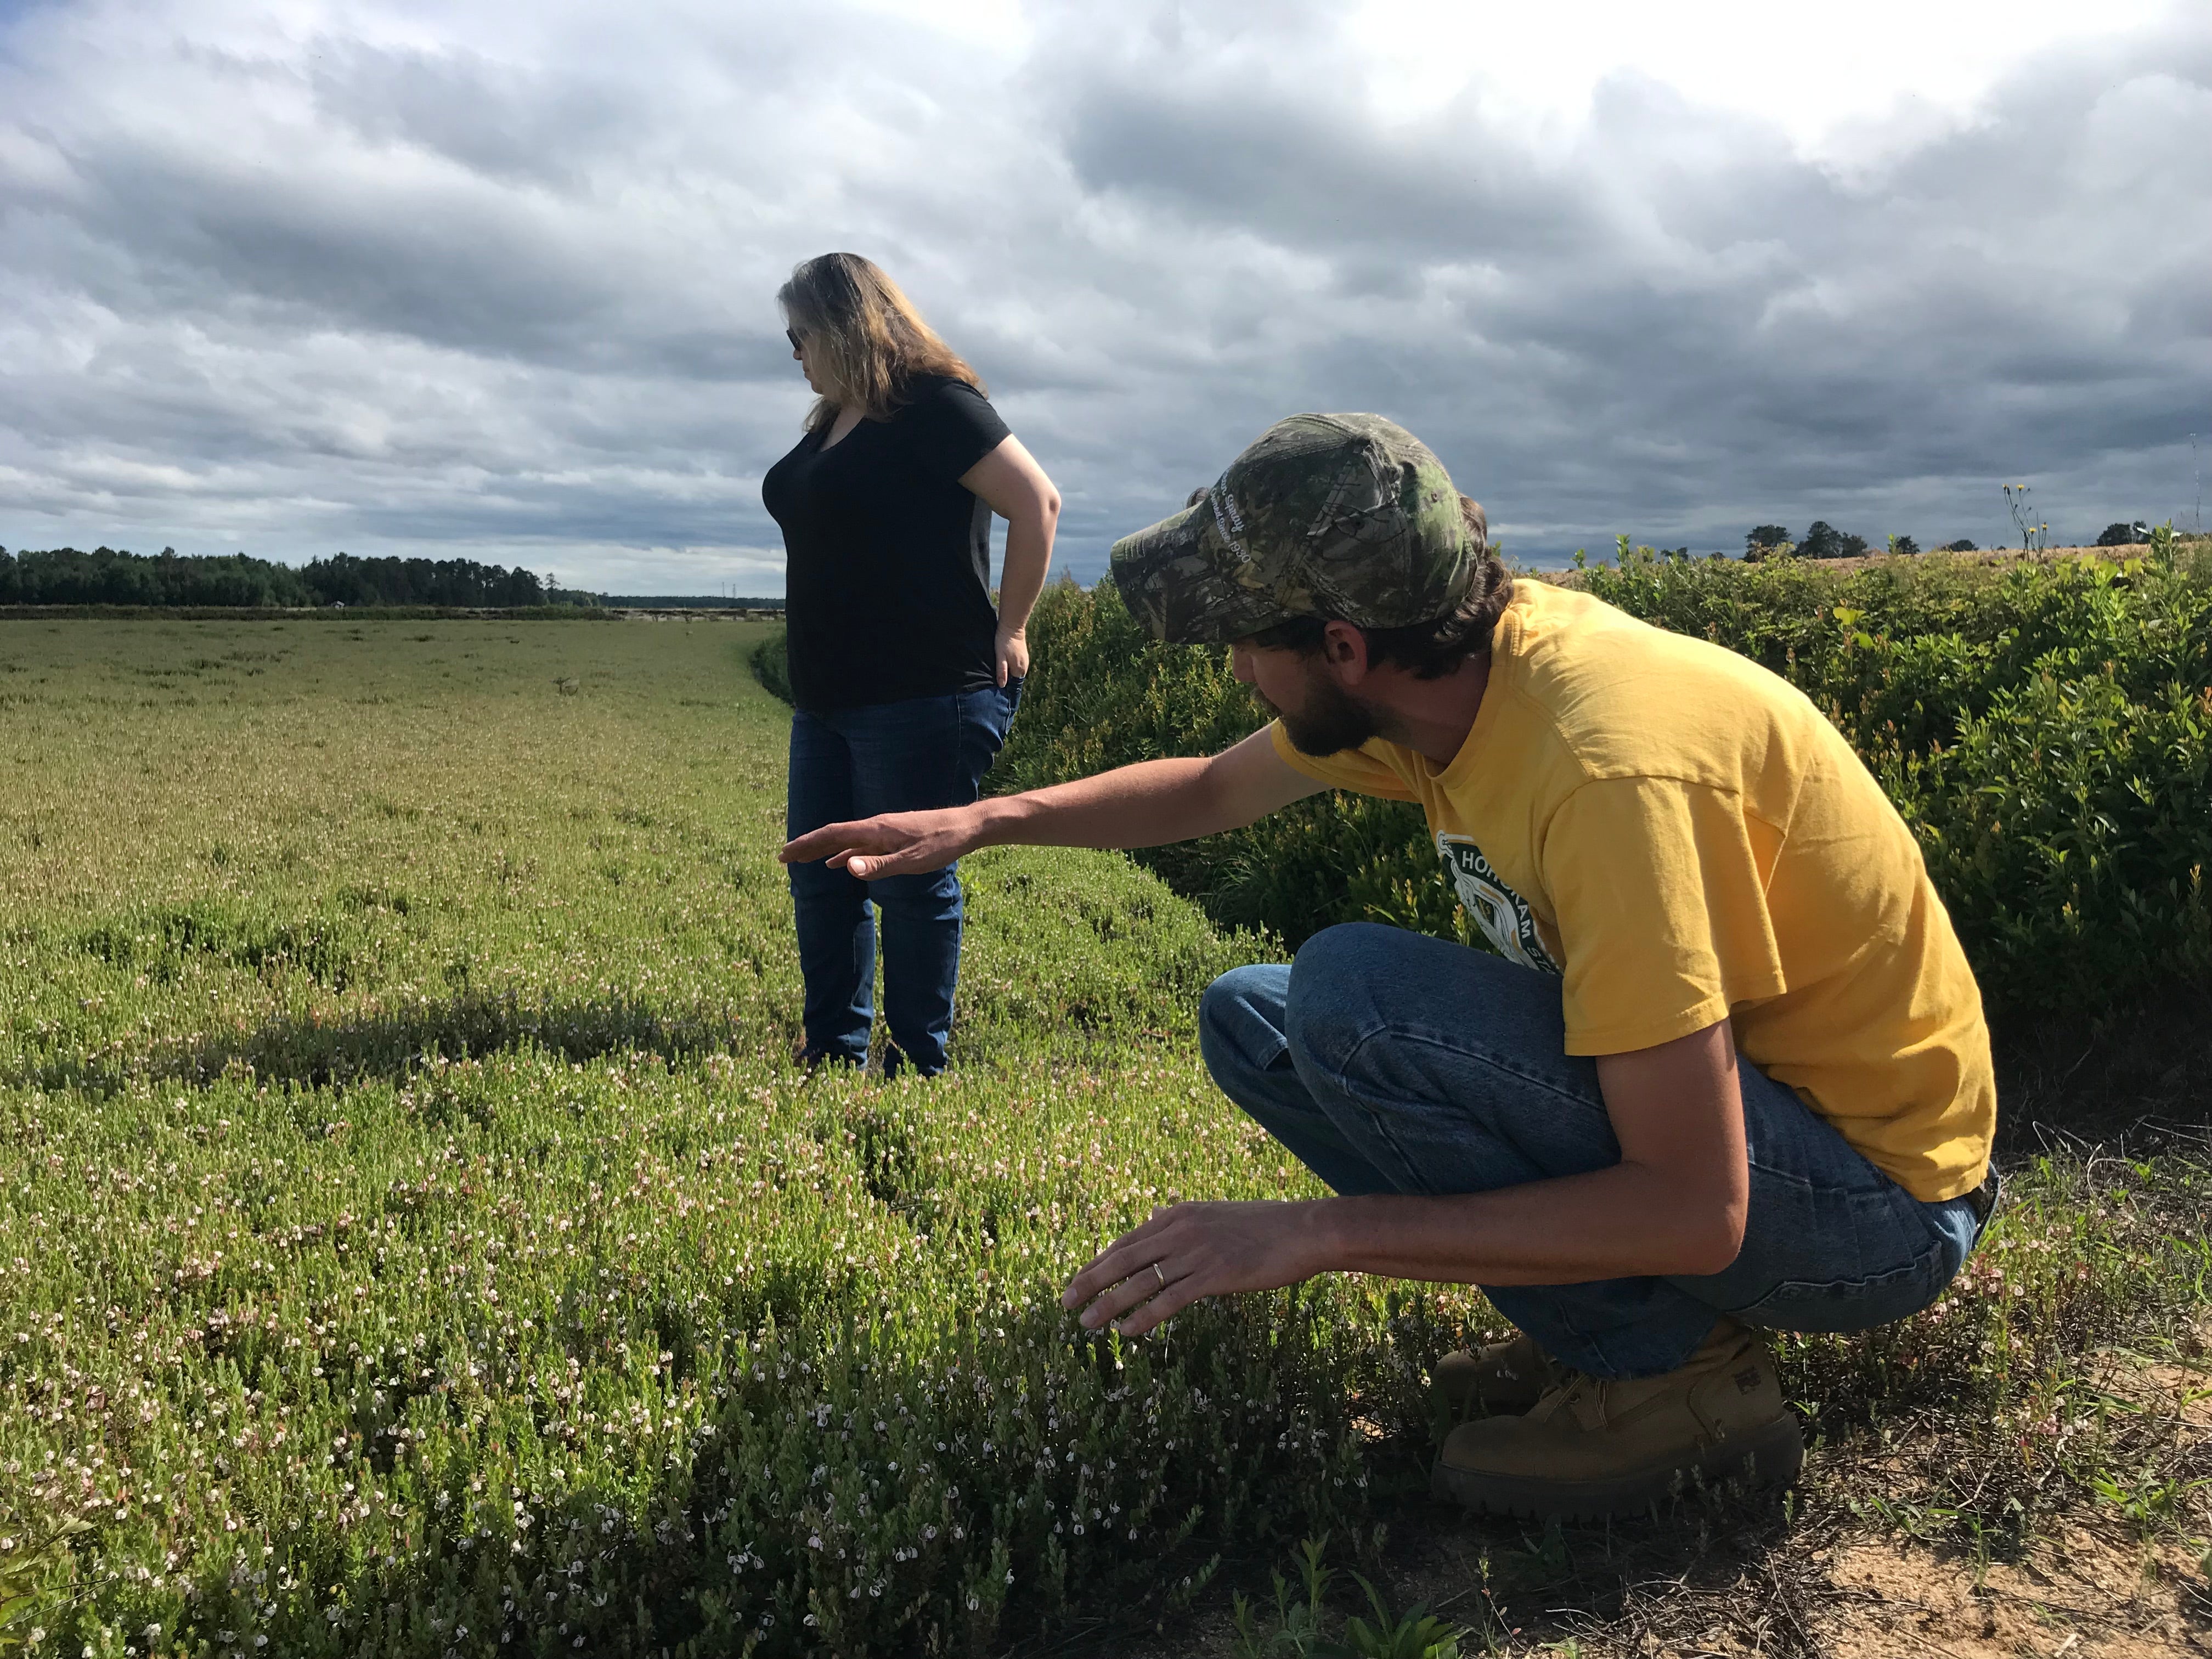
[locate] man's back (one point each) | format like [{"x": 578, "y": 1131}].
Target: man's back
[{"x": 1684, "y": 838}]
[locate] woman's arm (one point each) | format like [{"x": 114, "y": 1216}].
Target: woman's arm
[{"x": 1015, "y": 487}]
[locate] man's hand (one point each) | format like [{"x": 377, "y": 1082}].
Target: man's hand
[
  {"x": 1676, "y": 1203},
  {"x": 1013, "y": 654},
  {"x": 1189, "y": 1251},
  {"x": 893, "y": 844}
]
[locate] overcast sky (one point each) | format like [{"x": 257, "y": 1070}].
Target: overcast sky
[{"x": 497, "y": 280}]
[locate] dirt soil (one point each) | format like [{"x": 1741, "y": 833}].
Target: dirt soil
[
  {"x": 2083, "y": 1595},
  {"x": 1728, "y": 1577},
  {"x": 1859, "y": 1594},
  {"x": 1855, "y": 1593}
]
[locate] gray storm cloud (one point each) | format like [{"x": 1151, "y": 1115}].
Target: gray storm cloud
[{"x": 508, "y": 292}]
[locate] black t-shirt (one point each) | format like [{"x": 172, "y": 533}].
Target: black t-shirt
[{"x": 887, "y": 594}]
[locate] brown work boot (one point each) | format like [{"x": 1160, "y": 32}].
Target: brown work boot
[
  {"x": 1502, "y": 1377},
  {"x": 1594, "y": 1447}
]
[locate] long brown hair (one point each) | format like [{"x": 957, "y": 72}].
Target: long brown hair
[{"x": 866, "y": 340}]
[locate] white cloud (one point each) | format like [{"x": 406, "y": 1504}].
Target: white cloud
[
  {"x": 1821, "y": 74},
  {"x": 498, "y": 281}
]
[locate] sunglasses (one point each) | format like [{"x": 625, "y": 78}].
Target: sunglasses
[{"x": 792, "y": 335}]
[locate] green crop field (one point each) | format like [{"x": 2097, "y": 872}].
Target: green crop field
[{"x": 415, "y": 1239}]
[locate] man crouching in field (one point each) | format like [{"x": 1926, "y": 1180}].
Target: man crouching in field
[{"x": 1727, "y": 1070}]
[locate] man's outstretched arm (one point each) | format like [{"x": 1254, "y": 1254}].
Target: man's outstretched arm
[{"x": 1147, "y": 804}]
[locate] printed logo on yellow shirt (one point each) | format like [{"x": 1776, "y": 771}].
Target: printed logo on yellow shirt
[{"x": 1502, "y": 913}]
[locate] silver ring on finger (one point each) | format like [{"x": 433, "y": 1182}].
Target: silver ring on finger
[{"x": 1158, "y": 1275}]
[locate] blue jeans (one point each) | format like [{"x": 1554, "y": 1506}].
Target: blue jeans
[
  {"x": 1391, "y": 1062},
  {"x": 852, "y": 764}
]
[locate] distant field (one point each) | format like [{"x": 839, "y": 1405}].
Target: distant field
[{"x": 416, "y": 1240}]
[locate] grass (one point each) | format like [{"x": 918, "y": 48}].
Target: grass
[{"x": 416, "y": 1240}]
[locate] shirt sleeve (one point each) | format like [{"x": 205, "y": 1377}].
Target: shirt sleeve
[
  {"x": 951, "y": 426},
  {"x": 1660, "y": 888},
  {"x": 1355, "y": 769}
]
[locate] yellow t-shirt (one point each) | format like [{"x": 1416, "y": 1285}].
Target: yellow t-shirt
[{"x": 1683, "y": 838}]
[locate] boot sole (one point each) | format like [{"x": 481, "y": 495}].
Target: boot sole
[
  {"x": 1768, "y": 1456},
  {"x": 1467, "y": 1407}
]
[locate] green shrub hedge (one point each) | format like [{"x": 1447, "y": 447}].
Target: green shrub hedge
[
  {"x": 771, "y": 664},
  {"x": 2045, "y": 728}
]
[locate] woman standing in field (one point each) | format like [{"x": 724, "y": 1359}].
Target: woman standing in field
[{"x": 904, "y": 675}]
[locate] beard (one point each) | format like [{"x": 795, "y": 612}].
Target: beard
[{"x": 1332, "y": 722}]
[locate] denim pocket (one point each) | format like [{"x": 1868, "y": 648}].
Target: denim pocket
[
  {"x": 1851, "y": 1304},
  {"x": 1240, "y": 1023},
  {"x": 983, "y": 719}
]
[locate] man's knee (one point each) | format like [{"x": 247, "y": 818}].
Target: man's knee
[
  {"x": 1350, "y": 949},
  {"x": 1331, "y": 999}
]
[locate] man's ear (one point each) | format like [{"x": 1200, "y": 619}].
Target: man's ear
[{"x": 1344, "y": 648}]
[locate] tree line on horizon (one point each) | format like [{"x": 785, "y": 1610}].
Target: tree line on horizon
[
  {"x": 1825, "y": 541},
  {"x": 107, "y": 576}
]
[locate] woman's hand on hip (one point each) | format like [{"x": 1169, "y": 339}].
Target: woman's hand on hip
[
  {"x": 1013, "y": 653},
  {"x": 891, "y": 844}
]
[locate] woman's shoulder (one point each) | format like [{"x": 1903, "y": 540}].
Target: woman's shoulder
[
  {"x": 948, "y": 422},
  {"x": 942, "y": 391}
]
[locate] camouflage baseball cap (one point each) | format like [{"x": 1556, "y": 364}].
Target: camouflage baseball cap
[{"x": 1343, "y": 516}]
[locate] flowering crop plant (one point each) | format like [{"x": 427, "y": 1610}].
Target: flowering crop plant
[
  {"x": 417, "y": 1240},
  {"x": 414, "y": 1238}
]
